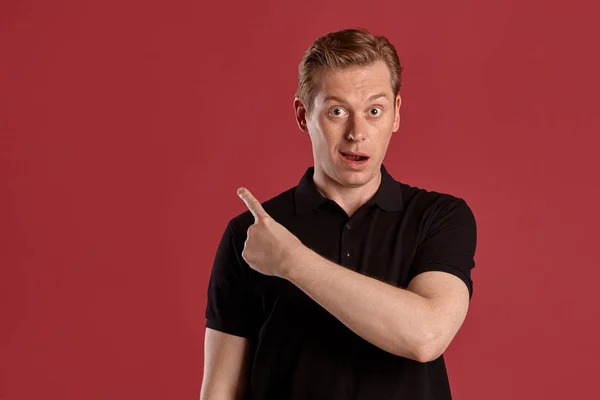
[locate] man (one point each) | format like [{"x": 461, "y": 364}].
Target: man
[{"x": 350, "y": 285}]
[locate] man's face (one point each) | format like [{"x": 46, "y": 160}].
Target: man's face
[{"x": 351, "y": 122}]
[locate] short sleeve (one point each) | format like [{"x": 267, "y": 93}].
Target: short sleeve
[
  {"x": 449, "y": 243},
  {"x": 233, "y": 305}
]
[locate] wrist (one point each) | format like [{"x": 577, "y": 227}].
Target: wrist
[{"x": 292, "y": 261}]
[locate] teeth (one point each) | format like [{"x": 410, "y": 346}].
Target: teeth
[{"x": 354, "y": 157}]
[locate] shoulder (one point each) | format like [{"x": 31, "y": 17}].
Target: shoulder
[{"x": 431, "y": 205}]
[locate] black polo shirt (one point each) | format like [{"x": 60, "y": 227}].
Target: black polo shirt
[{"x": 301, "y": 351}]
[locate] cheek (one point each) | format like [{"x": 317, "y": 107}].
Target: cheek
[
  {"x": 330, "y": 132},
  {"x": 386, "y": 126},
  {"x": 320, "y": 138}
]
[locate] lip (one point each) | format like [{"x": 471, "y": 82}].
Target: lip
[
  {"x": 355, "y": 165},
  {"x": 352, "y": 153}
]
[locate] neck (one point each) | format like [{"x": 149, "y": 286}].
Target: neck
[{"x": 349, "y": 198}]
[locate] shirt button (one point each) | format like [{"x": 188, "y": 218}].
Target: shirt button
[
  {"x": 348, "y": 226},
  {"x": 348, "y": 255}
]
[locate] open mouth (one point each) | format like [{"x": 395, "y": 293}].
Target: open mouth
[{"x": 354, "y": 157}]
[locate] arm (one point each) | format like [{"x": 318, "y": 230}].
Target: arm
[
  {"x": 231, "y": 322},
  {"x": 418, "y": 323},
  {"x": 225, "y": 366}
]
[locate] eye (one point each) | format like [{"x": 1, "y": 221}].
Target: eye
[
  {"x": 337, "y": 112},
  {"x": 375, "y": 112}
]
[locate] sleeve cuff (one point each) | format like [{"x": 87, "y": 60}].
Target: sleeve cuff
[
  {"x": 232, "y": 329},
  {"x": 451, "y": 270}
]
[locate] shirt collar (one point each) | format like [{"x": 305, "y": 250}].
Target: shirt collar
[{"x": 388, "y": 196}]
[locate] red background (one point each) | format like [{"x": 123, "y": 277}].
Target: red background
[{"x": 126, "y": 127}]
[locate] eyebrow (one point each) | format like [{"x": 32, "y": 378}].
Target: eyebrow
[{"x": 339, "y": 99}]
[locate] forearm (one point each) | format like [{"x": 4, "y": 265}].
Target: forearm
[{"x": 393, "y": 319}]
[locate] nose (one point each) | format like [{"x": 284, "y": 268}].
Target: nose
[{"x": 357, "y": 131}]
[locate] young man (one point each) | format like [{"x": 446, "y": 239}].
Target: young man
[{"x": 350, "y": 285}]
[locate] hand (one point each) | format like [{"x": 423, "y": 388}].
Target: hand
[{"x": 269, "y": 245}]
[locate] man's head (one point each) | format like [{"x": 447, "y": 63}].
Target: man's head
[{"x": 348, "y": 101}]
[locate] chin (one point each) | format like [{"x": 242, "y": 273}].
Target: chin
[{"x": 354, "y": 178}]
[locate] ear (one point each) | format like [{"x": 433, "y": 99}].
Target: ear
[
  {"x": 301, "y": 115},
  {"x": 397, "y": 113}
]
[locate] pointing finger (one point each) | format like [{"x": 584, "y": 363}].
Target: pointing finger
[{"x": 252, "y": 203}]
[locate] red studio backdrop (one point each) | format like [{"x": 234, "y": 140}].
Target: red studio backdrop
[{"x": 127, "y": 126}]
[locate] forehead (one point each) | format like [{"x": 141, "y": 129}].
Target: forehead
[{"x": 356, "y": 82}]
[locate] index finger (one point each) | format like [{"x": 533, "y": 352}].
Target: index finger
[{"x": 252, "y": 203}]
